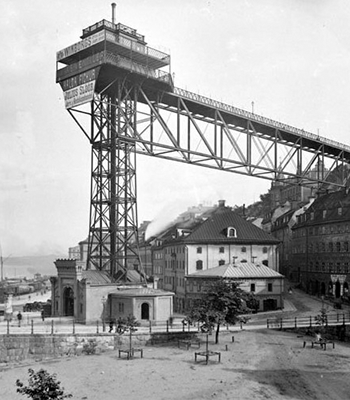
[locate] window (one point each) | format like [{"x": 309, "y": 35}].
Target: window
[
  {"x": 330, "y": 246},
  {"x": 340, "y": 210},
  {"x": 222, "y": 262},
  {"x": 222, "y": 250},
  {"x": 199, "y": 250},
  {"x": 324, "y": 214},
  {"x": 269, "y": 287},
  {"x": 243, "y": 249},
  {"x": 330, "y": 267},
  {"x": 199, "y": 265},
  {"x": 338, "y": 246},
  {"x": 346, "y": 246},
  {"x": 264, "y": 249},
  {"x": 121, "y": 307},
  {"x": 231, "y": 232},
  {"x": 312, "y": 216},
  {"x": 252, "y": 287}
]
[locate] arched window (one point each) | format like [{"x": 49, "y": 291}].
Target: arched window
[{"x": 231, "y": 232}]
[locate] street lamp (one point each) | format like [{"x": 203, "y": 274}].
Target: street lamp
[{"x": 104, "y": 301}]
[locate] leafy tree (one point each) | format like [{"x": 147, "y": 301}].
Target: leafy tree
[
  {"x": 42, "y": 386},
  {"x": 128, "y": 324},
  {"x": 221, "y": 303}
]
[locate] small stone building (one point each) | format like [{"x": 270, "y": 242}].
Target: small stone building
[
  {"x": 146, "y": 304},
  {"x": 90, "y": 296}
]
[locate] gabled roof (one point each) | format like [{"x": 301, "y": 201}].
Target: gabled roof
[
  {"x": 238, "y": 271},
  {"x": 330, "y": 203},
  {"x": 214, "y": 230}
]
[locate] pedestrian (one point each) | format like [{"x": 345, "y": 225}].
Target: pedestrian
[
  {"x": 111, "y": 324},
  {"x": 43, "y": 315},
  {"x": 19, "y": 318}
]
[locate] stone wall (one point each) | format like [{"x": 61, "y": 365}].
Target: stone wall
[
  {"x": 36, "y": 347},
  {"x": 39, "y": 346}
]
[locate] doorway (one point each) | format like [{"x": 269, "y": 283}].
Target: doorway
[
  {"x": 145, "y": 311},
  {"x": 68, "y": 301}
]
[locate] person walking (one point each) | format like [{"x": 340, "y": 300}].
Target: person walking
[{"x": 19, "y": 318}]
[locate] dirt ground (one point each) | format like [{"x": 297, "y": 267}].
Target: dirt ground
[{"x": 257, "y": 365}]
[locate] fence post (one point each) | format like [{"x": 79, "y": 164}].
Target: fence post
[
  {"x": 74, "y": 326},
  {"x": 326, "y": 321},
  {"x": 310, "y": 321},
  {"x": 343, "y": 319},
  {"x": 267, "y": 323},
  {"x": 337, "y": 317},
  {"x": 8, "y": 327},
  {"x": 183, "y": 325},
  {"x": 167, "y": 326},
  {"x": 281, "y": 323},
  {"x": 97, "y": 330},
  {"x": 32, "y": 326},
  {"x": 295, "y": 322},
  {"x": 52, "y": 327},
  {"x": 150, "y": 326}
]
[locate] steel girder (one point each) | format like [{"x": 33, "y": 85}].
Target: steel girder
[{"x": 176, "y": 127}]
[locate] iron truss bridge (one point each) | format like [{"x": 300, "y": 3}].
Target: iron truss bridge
[{"x": 189, "y": 128}]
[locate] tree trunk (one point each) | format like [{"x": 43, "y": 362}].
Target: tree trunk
[{"x": 217, "y": 333}]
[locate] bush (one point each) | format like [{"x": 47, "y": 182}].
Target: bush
[
  {"x": 90, "y": 347},
  {"x": 42, "y": 386}
]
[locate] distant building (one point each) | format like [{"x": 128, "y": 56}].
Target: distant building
[{"x": 320, "y": 246}]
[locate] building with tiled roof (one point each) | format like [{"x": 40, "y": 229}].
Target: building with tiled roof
[
  {"x": 217, "y": 237},
  {"x": 320, "y": 246},
  {"x": 266, "y": 284}
]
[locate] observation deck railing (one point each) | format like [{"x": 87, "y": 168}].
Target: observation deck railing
[
  {"x": 258, "y": 118},
  {"x": 105, "y": 57}
]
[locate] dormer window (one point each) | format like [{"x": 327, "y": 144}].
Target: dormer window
[
  {"x": 231, "y": 232},
  {"x": 340, "y": 210},
  {"x": 324, "y": 213}
]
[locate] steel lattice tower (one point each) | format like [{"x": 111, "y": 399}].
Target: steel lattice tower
[
  {"x": 113, "y": 217},
  {"x": 106, "y": 69}
]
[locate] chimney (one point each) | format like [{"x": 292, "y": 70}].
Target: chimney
[
  {"x": 113, "y": 13},
  {"x": 222, "y": 203},
  {"x": 155, "y": 282}
]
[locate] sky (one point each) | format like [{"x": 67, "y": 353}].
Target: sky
[{"x": 290, "y": 57}]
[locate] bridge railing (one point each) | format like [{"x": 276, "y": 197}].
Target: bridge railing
[
  {"x": 308, "y": 321},
  {"x": 259, "y": 118}
]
